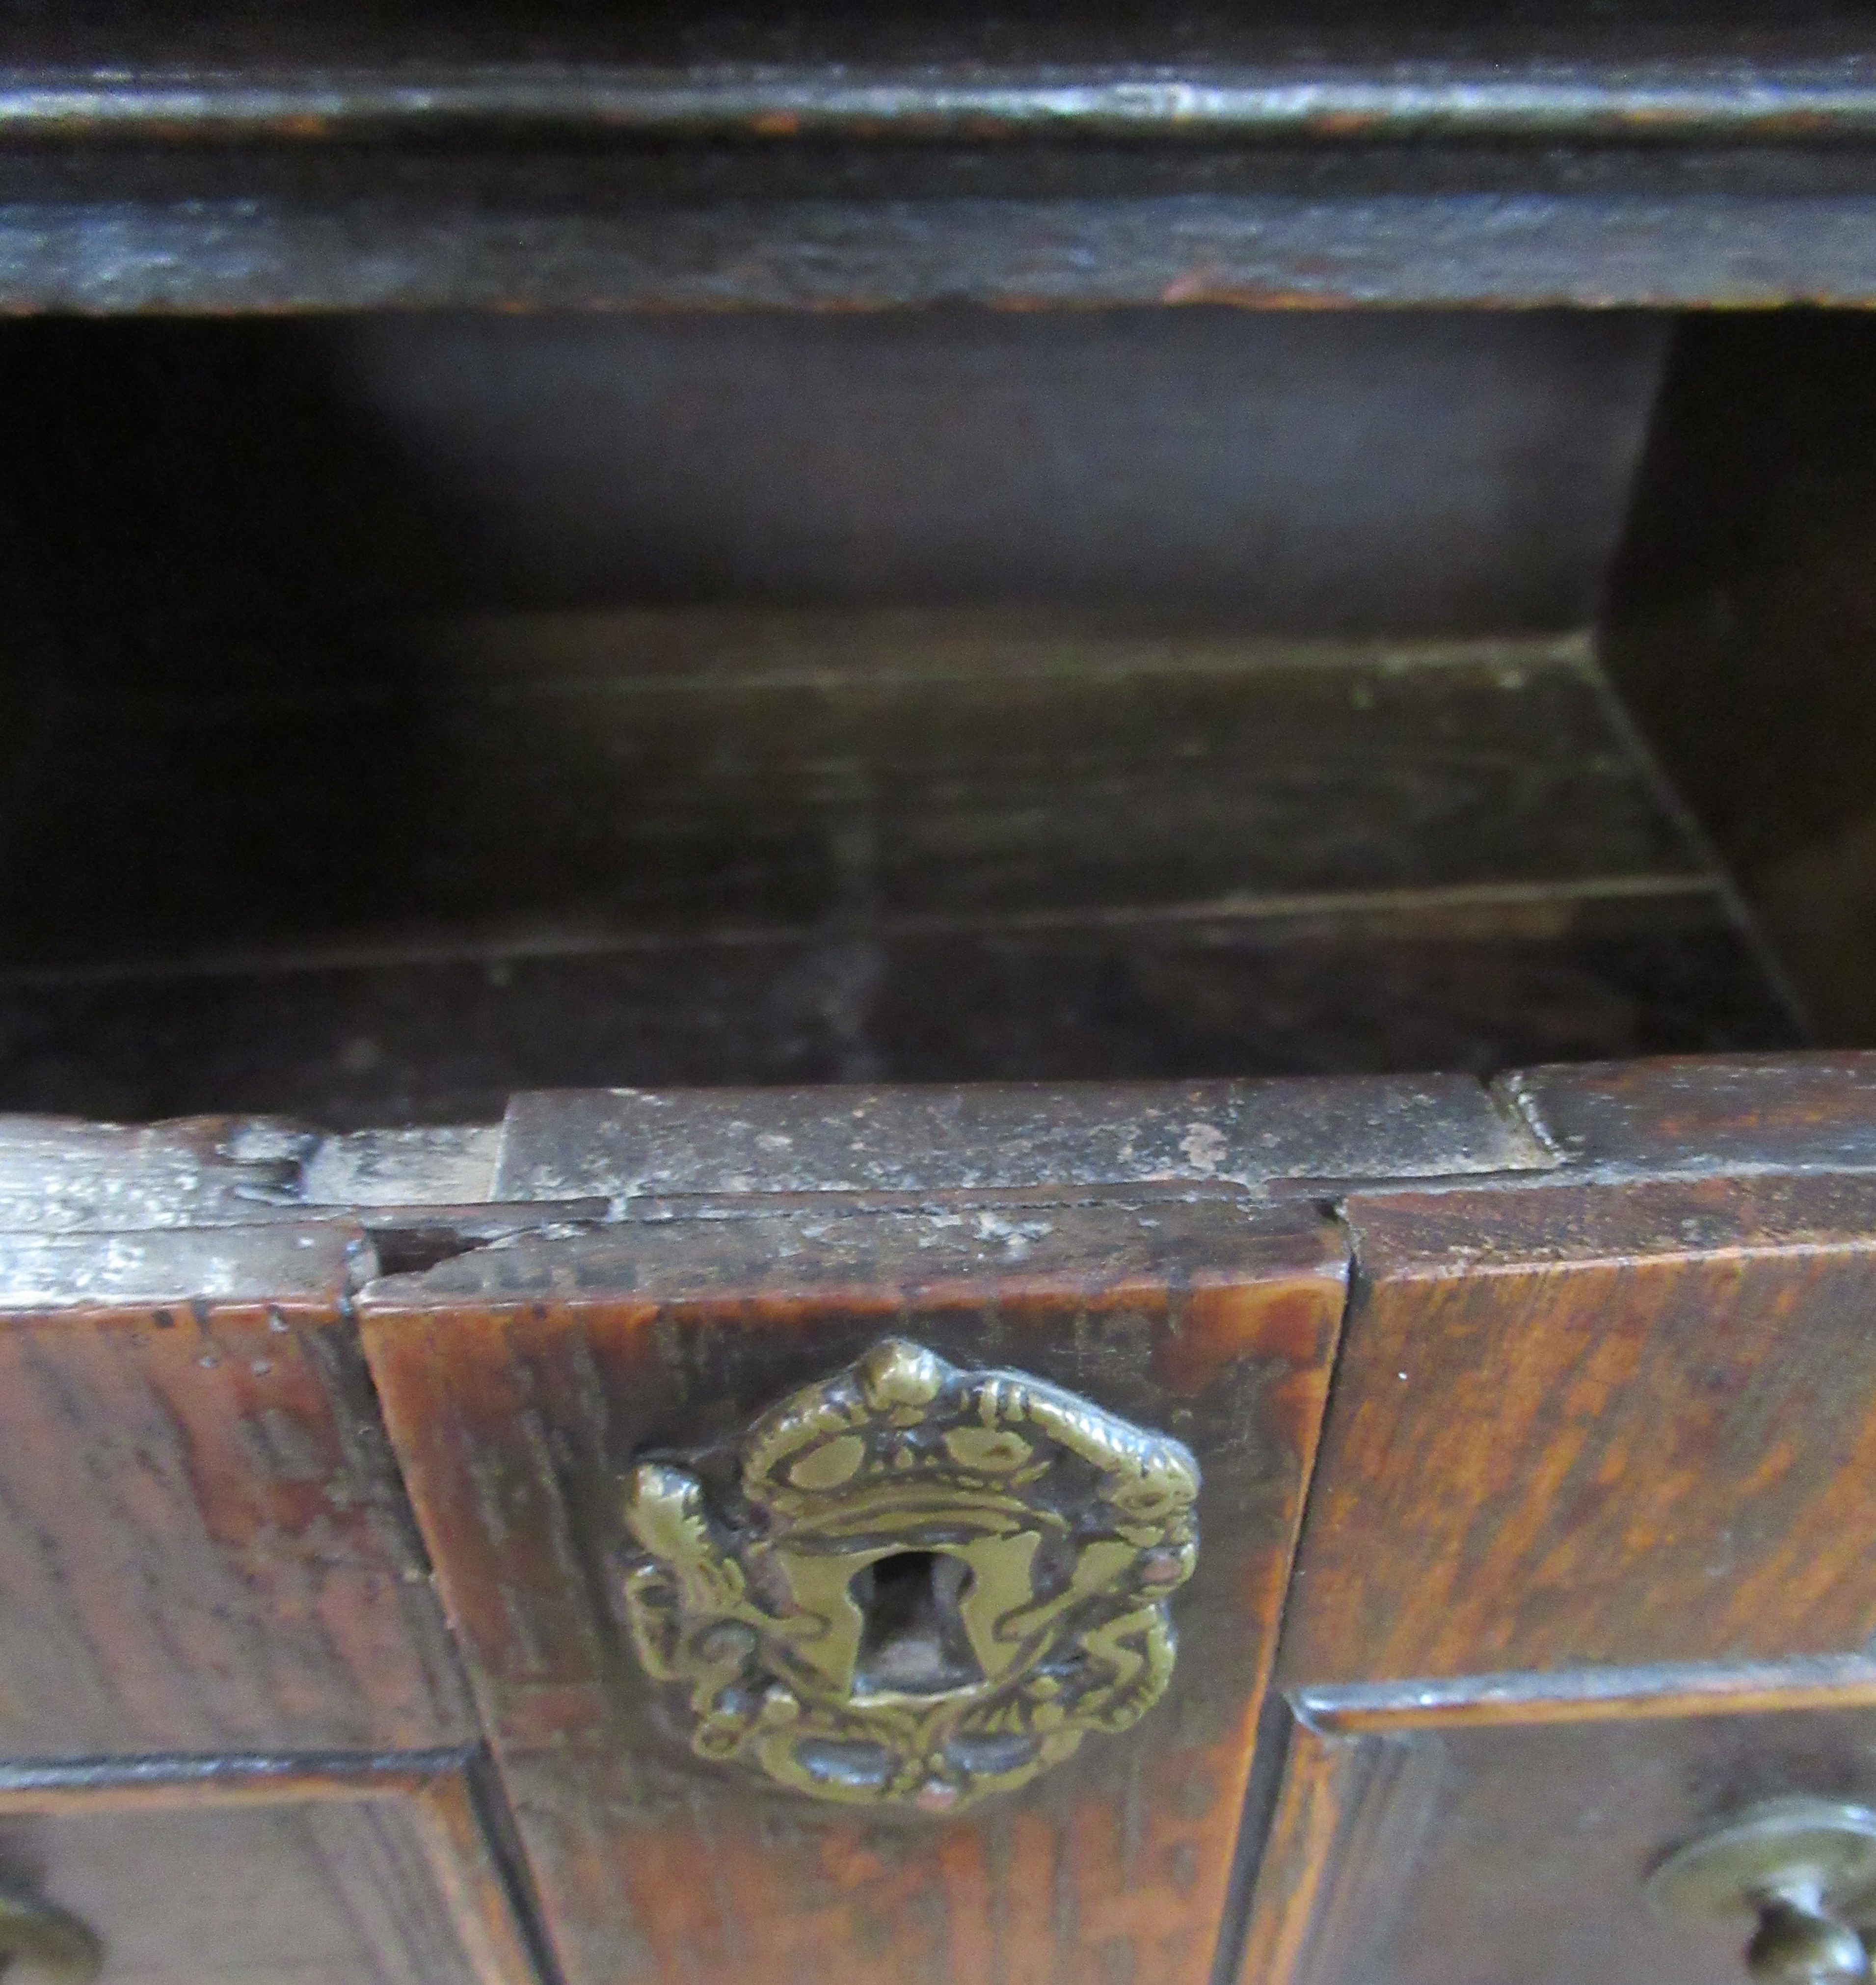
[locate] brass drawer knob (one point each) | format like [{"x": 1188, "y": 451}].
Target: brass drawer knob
[
  {"x": 919, "y": 1585},
  {"x": 40, "y": 1944},
  {"x": 1805, "y": 1868}
]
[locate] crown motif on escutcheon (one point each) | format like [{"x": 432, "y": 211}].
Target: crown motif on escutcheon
[{"x": 932, "y": 1584}]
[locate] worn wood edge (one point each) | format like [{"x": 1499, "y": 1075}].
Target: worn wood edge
[
  {"x": 491, "y": 1910},
  {"x": 541, "y": 1169},
  {"x": 1670, "y": 1689},
  {"x": 305, "y": 1271},
  {"x": 1298, "y": 1860},
  {"x": 1818, "y": 91},
  {"x": 1219, "y": 1135},
  {"x": 1350, "y": 1817},
  {"x": 1817, "y": 1110},
  {"x": 1451, "y": 1230},
  {"x": 868, "y": 1259},
  {"x": 1267, "y": 1776},
  {"x": 1530, "y": 249},
  {"x": 439, "y": 1788},
  {"x": 118, "y": 1784}
]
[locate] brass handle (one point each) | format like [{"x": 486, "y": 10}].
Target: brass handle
[
  {"x": 918, "y": 1586},
  {"x": 1804, "y": 1868},
  {"x": 43, "y": 1946}
]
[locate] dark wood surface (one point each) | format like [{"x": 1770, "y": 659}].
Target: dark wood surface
[
  {"x": 1739, "y": 621},
  {"x": 1477, "y": 986},
  {"x": 677, "y": 774},
  {"x": 1051, "y": 155},
  {"x": 270, "y": 1874},
  {"x": 203, "y": 1541},
  {"x": 680, "y": 849},
  {"x": 517, "y": 1382}
]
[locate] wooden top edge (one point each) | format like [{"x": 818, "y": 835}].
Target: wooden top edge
[
  {"x": 1411, "y": 1234},
  {"x": 1784, "y": 1112},
  {"x": 1584, "y": 1695},
  {"x": 882, "y": 1260},
  {"x": 1358, "y": 1137},
  {"x": 292, "y": 1268},
  {"x": 1196, "y": 74},
  {"x": 626, "y": 1143}
]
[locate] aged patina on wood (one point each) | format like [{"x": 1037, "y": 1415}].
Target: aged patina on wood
[
  {"x": 523, "y": 1386},
  {"x": 541, "y": 155},
  {"x": 270, "y": 1871},
  {"x": 204, "y": 1544},
  {"x": 1587, "y": 1573}
]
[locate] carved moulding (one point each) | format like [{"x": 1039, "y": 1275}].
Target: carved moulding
[{"x": 924, "y": 1586}]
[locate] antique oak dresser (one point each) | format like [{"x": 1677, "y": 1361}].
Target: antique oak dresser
[{"x": 934, "y": 946}]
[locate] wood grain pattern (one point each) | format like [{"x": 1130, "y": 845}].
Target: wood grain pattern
[
  {"x": 203, "y": 1544},
  {"x": 1787, "y": 1112},
  {"x": 1582, "y": 1424},
  {"x": 239, "y": 228},
  {"x": 1516, "y": 1853},
  {"x": 678, "y": 772},
  {"x": 321, "y": 1875},
  {"x": 1393, "y": 987},
  {"x": 518, "y": 1383},
  {"x": 667, "y": 847}
]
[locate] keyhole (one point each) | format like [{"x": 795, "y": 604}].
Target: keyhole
[{"x": 912, "y": 1641}]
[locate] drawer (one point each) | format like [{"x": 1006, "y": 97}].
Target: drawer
[
  {"x": 595, "y": 682},
  {"x": 1584, "y": 1587},
  {"x": 839, "y": 1271},
  {"x": 1546, "y": 1843},
  {"x": 203, "y": 1541},
  {"x": 818, "y": 1571},
  {"x": 249, "y": 1876}
]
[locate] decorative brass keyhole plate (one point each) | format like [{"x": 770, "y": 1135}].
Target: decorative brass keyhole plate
[{"x": 925, "y": 1585}]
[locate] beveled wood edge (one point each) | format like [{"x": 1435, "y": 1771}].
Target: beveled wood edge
[
  {"x": 1350, "y": 1816},
  {"x": 440, "y": 1787},
  {"x": 1592, "y": 1695},
  {"x": 1351, "y": 1756}
]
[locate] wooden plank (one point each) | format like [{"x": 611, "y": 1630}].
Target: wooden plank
[
  {"x": 1814, "y": 1111},
  {"x": 358, "y": 230},
  {"x": 1402, "y": 985},
  {"x": 622, "y": 1144},
  {"x": 1581, "y": 1425},
  {"x": 203, "y": 1541},
  {"x": 235, "y": 71},
  {"x": 549, "y": 160},
  {"x": 518, "y": 1383},
  {"x": 988, "y": 770}
]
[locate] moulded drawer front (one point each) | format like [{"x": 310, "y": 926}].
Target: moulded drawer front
[
  {"x": 327, "y": 1886},
  {"x": 1528, "y": 1853}
]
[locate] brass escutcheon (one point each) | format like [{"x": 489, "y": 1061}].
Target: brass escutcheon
[
  {"x": 40, "y": 1944},
  {"x": 925, "y": 1585},
  {"x": 1802, "y": 1871}
]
